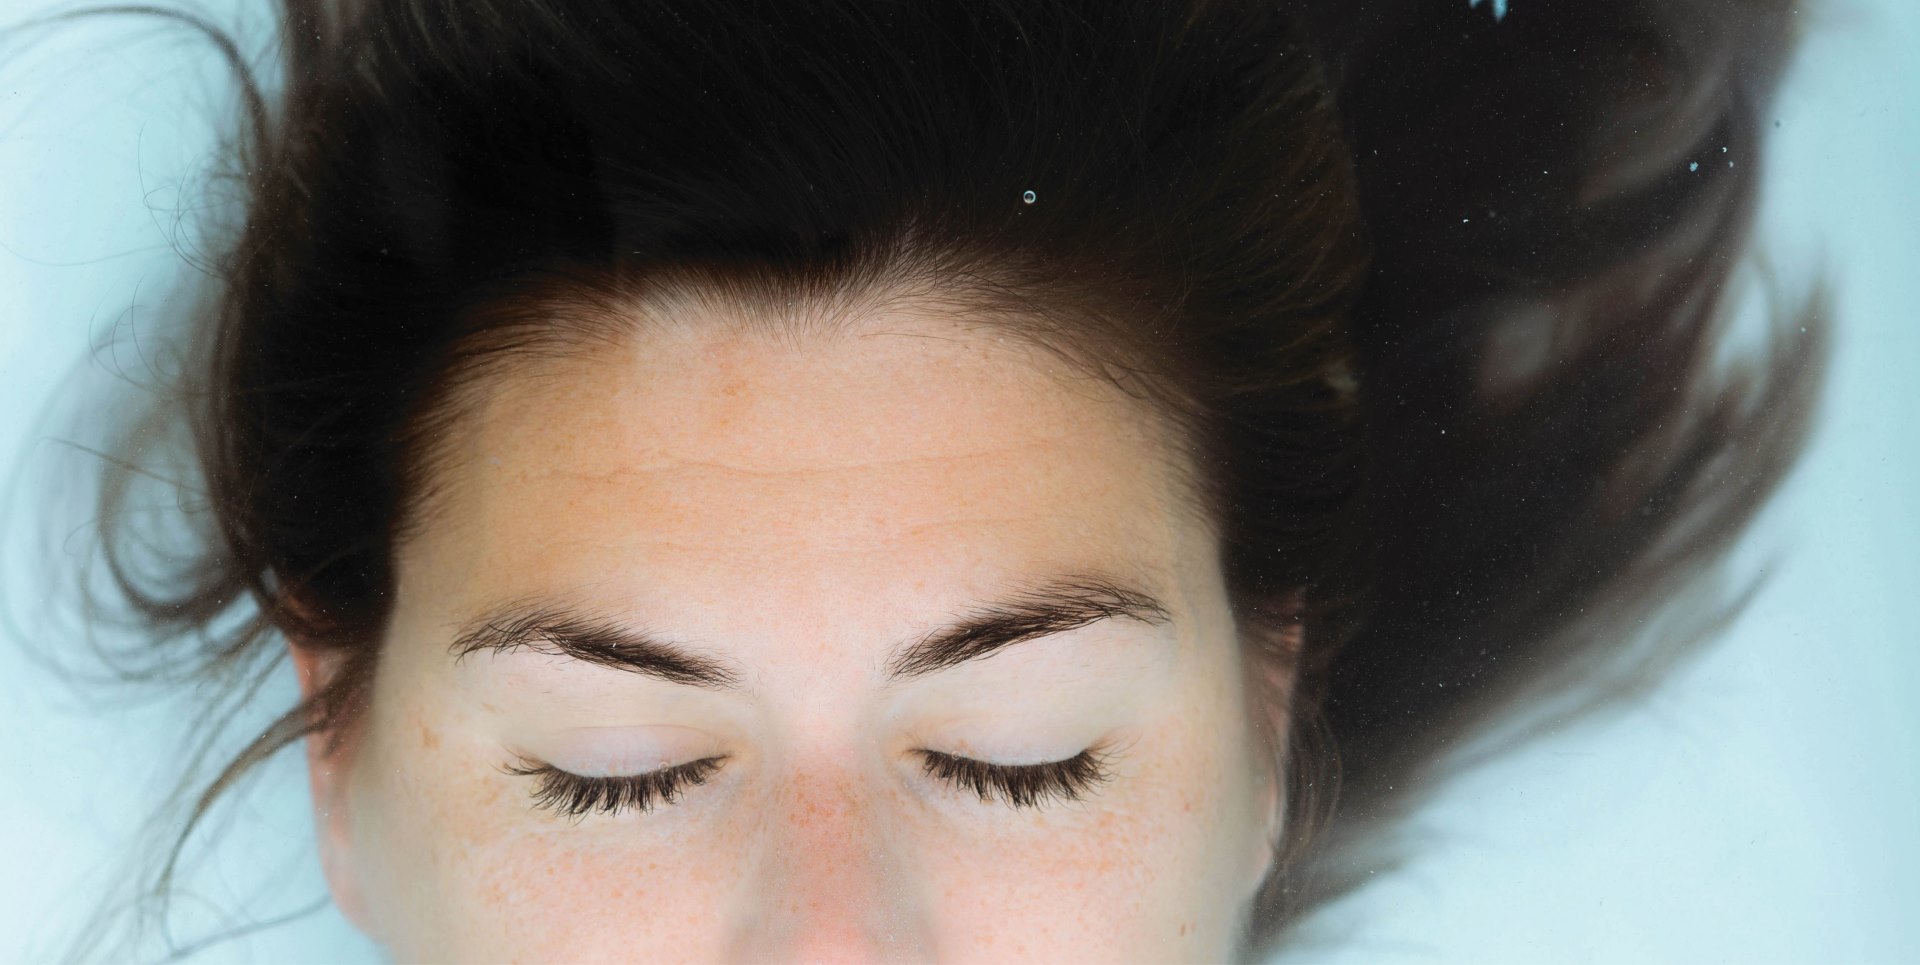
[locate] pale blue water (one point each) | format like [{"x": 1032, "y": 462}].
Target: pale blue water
[{"x": 1763, "y": 806}]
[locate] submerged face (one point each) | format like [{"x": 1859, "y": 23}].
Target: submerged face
[{"x": 818, "y": 619}]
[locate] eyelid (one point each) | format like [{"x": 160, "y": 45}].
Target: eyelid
[
  {"x": 1022, "y": 785},
  {"x": 1019, "y": 786},
  {"x": 574, "y": 795}
]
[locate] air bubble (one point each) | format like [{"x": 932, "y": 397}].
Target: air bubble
[{"x": 1029, "y": 197}]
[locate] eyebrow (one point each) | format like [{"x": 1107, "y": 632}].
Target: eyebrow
[{"x": 1034, "y": 610}]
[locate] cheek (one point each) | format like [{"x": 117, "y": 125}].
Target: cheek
[
  {"x": 1032, "y": 895},
  {"x": 1132, "y": 879},
  {"x": 456, "y": 864},
  {"x": 579, "y": 894}
]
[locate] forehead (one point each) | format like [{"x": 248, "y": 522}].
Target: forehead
[{"x": 702, "y": 468}]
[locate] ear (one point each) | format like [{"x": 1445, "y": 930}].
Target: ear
[
  {"x": 1273, "y": 796},
  {"x": 328, "y": 776},
  {"x": 1273, "y": 663}
]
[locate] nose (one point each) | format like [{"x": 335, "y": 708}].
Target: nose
[{"x": 830, "y": 880}]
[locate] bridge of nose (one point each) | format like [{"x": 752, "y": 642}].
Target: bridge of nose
[{"x": 832, "y": 879}]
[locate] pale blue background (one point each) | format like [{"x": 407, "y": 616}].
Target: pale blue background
[{"x": 1762, "y": 806}]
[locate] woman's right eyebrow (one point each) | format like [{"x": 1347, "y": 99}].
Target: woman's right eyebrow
[{"x": 1037, "y": 610}]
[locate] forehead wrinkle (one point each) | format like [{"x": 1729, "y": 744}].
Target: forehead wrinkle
[
  {"x": 684, "y": 464},
  {"x": 727, "y": 361},
  {"x": 728, "y": 337},
  {"x": 1055, "y": 454},
  {"x": 741, "y": 388},
  {"x": 592, "y": 429},
  {"x": 850, "y": 545},
  {"x": 876, "y": 511}
]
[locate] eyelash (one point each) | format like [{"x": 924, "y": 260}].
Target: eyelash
[
  {"x": 574, "y": 795},
  {"x": 1019, "y": 785}
]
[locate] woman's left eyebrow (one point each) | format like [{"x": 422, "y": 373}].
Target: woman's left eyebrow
[{"x": 1036, "y": 609}]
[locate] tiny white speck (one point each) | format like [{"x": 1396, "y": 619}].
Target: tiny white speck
[
  {"x": 1693, "y": 166},
  {"x": 1463, "y": 221}
]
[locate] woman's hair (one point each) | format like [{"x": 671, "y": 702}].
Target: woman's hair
[{"x": 1432, "y": 296}]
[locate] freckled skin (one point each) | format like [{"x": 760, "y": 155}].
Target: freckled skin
[{"x": 801, "y": 510}]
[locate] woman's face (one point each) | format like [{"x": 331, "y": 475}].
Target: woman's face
[{"x": 804, "y": 573}]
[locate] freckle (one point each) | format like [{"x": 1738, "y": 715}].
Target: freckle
[
  {"x": 491, "y": 894},
  {"x": 428, "y": 738}
]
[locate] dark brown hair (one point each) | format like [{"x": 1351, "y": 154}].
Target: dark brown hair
[{"x": 1430, "y": 295}]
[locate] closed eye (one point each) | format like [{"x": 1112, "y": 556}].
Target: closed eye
[
  {"x": 1017, "y": 785},
  {"x": 575, "y": 795},
  {"x": 1021, "y": 785}
]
